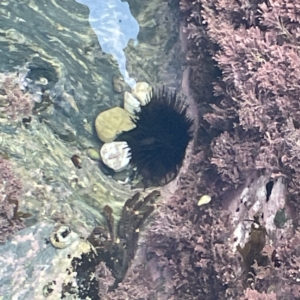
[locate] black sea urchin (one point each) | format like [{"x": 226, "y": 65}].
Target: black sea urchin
[{"x": 159, "y": 141}]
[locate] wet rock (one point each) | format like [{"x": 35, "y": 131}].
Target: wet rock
[
  {"x": 119, "y": 84},
  {"x": 93, "y": 154},
  {"x": 106, "y": 170},
  {"x": 68, "y": 135},
  {"x": 60, "y": 126},
  {"x": 112, "y": 122},
  {"x": 131, "y": 104},
  {"x": 143, "y": 92},
  {"x": 115, "y": 155},
  {"x": 30, "y": 245},
  {"x": 123, "y": 176}
]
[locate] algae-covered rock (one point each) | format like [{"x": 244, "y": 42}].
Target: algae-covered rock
[{"x": 112, "y": 122}]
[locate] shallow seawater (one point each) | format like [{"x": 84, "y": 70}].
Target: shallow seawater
[
  {"x": 114, "y": 26},
  {"x": 65, "y": 57}
]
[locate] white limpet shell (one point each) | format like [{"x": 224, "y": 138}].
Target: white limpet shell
[
  {"x": 205, "y": 199},
  {"x": 62, "y": 236},
  {"x": 131, "y": 104},
  {"x": 143, "y": 92},
  {"x": 116, "y": 155}
]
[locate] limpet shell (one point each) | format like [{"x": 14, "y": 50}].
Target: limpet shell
[
  {"x": 48, "y": 289},
  {"x": 205, "y": 199},
  {"x": 115, "y": 155},
  {"x": 42, "y": 81}
]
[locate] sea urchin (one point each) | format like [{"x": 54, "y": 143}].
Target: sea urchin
[{"x": 159, "y": 141}]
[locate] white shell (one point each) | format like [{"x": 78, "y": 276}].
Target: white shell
[
  {"x": 143, "y": 92},
  {"x": 116, "y": 155},
  {"x": 62, "y": 237},
  {"x": 131, "y": 104},
  {"x": 205, "y": 199}
]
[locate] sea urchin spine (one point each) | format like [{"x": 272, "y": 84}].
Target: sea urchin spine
[{"x": 159, "y": 141}]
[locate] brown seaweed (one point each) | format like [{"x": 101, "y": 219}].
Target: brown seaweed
[
  {"x": 113, "y": 253},
  {"x": 252, "y": 251}
]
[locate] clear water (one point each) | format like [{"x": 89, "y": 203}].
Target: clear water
[
  {"x": 114, "y": 26},
  {"x": 65, "y": 54}
]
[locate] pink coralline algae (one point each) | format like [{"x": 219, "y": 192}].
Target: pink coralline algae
[
  {"x": 258, "y": 92},
  {"x": 10, "y": 192},
  {"x": 252, "y": 294},
  {"x": 244, "y": 62},
  {"x": 14, "y": 102},
  {"x": 248, "y": 54}
]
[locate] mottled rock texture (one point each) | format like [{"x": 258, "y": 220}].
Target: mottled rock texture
[
  {"x": 243, "y": 72},
  {"x": 112, "y": 122}
]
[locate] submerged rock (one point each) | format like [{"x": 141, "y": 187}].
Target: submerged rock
[
  {"x": 93, "y": 154},
  {"x": 119, "y": 84},
  {"x": 111, "y": 122}
]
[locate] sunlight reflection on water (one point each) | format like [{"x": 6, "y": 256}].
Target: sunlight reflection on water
[{"x": 114, "y": 26}]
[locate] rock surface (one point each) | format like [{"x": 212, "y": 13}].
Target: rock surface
[
  {"x": 43, "y": 264},
  {"x": 93, "y": 154},
  {"x": 119, "y": 84},
  {"x": 111, "y": 122}
]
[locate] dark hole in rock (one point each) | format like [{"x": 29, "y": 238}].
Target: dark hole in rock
[
  {"x": 40, "y": 68},
  {"x": 26, "y": 122},
  {"x": 269, "y": 187},
  {"x": 296, "y": 124},
  {"x": 275, "y": 259}
]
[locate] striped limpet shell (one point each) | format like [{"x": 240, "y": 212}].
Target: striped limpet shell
[{"x": 62, "y": 237}]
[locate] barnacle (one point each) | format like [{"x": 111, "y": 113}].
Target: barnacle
[
  {"x": 62, "y": 236},
  {"x": 48, "y": 288}
]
